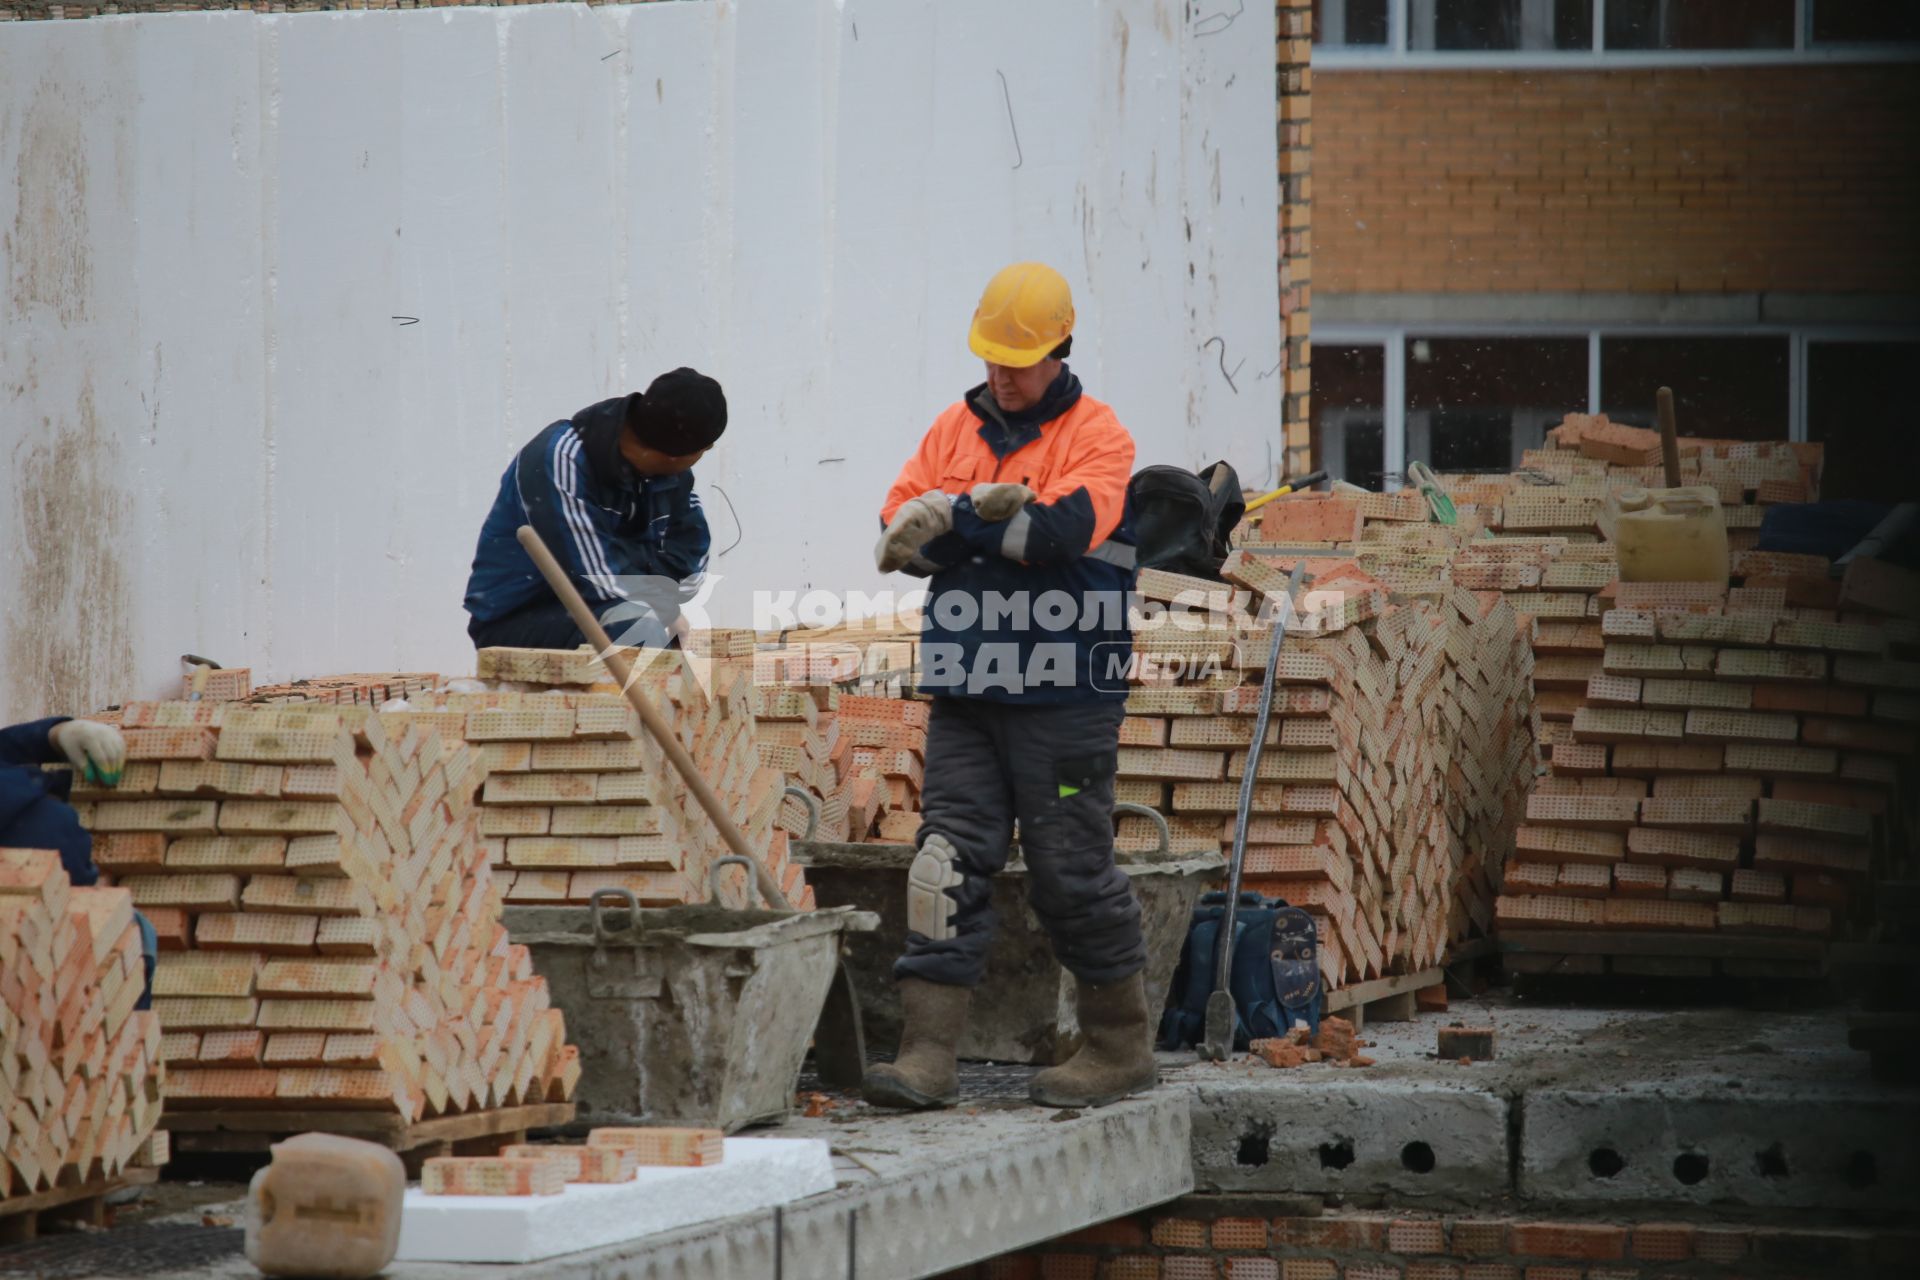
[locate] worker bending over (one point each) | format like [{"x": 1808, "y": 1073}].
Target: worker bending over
[
  {"x": 610, "y": 491},
  {"x": 34, "y": 813},
  {"x": 1015, "y": 507}
]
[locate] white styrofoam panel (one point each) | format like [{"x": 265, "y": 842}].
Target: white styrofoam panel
[
  {"x": 219, "y": 439},
  {"x": 757, "y": 1173}
]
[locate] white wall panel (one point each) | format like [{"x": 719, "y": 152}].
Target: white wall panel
[{"x": 216, "y": 435}]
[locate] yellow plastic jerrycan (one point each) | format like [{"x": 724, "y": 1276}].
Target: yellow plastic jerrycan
[{"x": 1667, "y": 535}]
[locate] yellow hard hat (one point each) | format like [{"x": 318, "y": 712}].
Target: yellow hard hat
[{"x": 1026, "y": 311}]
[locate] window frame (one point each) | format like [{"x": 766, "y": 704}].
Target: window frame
[
  {"x": 1396, "y": 55},
  {"x": 1393, "y": 338}
]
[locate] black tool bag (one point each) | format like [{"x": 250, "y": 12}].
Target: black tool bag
[{"x": 1183, "y": 522}]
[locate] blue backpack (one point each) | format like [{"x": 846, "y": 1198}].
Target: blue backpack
[{"x": 1276, "y": 972}]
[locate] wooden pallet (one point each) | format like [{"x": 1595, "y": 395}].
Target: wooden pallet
[
  {"x": 23, "y": 1218},
  {"x": 1562, "y": 952},
  {"x": 1382, "y": 999},
  {"x": 474, "y": 1133}
]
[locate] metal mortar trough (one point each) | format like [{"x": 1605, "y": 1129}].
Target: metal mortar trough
[
  {"x": 1025, "y": 1012},
  {"x": 694, "y": 1015}
]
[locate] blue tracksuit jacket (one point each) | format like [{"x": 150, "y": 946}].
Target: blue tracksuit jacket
[
  {"x": 34, "y": 813},
  {"x": 606, "y": 524}
]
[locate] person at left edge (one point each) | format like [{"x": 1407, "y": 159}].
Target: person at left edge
[
  {"x": 34, "y": 808},
  {"x": 610, "y": 491}
]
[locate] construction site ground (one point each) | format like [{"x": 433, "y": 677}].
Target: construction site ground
[{"x": 1725, "y": 1113}]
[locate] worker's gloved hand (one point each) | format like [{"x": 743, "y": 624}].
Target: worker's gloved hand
[
  {"x": 97, "y": 751},
  {"x": 1000, "y": 501},
  {"x": 917, "y": 522}
]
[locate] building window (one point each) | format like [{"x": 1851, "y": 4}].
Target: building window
[
  {"x": 1349, "y": 419},
  {"x": 1576, "y": 32},
  {"x": 1865, "y": 22},
  {"x": 1461, "y": 399},
  {"x": 1351, "y": 24},
  {"x": 1490, "y": 25},
  {"x": 1731, "y": 388},
  {"x": 1699, "y": 24},
  {"x": 1478, "y": 404},
  {"x": 1857, "y": 393}
]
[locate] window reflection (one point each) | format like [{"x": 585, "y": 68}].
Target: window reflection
[
  {"x": 1349, "y": 412},
  {"x": 1731, "y": 388},
  {"x": 1699, "y": 24},
  {"x": 1478, "y": 404},
  {"x": 1499, "y": 24}
]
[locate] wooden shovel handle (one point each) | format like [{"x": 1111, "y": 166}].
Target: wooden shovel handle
[
  {"x": 656, "y": 723},
  {"x": 1669, "y": 436}
]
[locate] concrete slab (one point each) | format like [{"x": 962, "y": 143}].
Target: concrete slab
[
  {"x": 916, "y": 1195},
  {"x": 1759, "y": 1148},
  {"x": 1788, "y": 1118},
  {"x": 1784, "y": 1113},
  {"x": 1348, "y": 1136}
]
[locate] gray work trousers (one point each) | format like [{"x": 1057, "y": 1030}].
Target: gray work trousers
[{"x": 1052, "y": 767}]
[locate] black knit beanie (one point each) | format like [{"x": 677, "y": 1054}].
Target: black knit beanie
[{"x": 683, "y": 412}]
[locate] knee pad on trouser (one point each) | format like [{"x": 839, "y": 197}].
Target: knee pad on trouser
[{"x": 929, "y": 907}]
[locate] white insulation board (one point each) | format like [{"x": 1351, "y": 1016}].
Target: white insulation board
[{"x": 757, "y": 1173}]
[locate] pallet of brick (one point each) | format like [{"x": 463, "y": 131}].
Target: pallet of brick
[
  {"x": 80, "y": 1069},
  {"x": 223, "y": 684},
  {"x": 797, "y": 737},
  {"x": 1556, "y": 586},
  {"x": 879, "y": 765},
  {"x": 1395, "y": 759},
  {"x": 1747, "y": 475},
  {"x": 1740, "y": 756},
  {"x": 579, "y": 797},
  {"x": 1305, "y": 521},
  {"x": 335, "y": 925},
  {"x": 369, "y": 689},
  {"x": 869, "y": 655}
]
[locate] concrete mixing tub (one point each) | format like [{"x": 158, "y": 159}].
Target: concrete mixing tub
[
  {"x": 693, "y": 1015},
  {"x": 1025, "y": 1013}
]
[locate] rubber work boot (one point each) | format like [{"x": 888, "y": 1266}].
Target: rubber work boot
[
  {"x": 1117, "y": 1057},
  {"x": 924, "y": 1074}
]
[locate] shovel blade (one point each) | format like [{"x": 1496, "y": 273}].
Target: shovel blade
[{"x": 1218, "y": 1043}]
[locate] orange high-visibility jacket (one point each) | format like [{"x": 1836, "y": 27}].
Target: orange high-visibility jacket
[
  {"x": 1085, "y": 451},
  {"x": 1074, "y": 537}
]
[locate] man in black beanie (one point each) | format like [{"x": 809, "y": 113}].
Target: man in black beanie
[{"x": 610, "y": 491}]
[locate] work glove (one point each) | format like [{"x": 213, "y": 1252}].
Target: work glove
[
  {"x": 97, "y": 751},
  {"x": 918, "y": 521},
  {"x": 994, "y": 502}
]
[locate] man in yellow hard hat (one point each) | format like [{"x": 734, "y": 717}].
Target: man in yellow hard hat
[{"x": 1015, "y": 505}]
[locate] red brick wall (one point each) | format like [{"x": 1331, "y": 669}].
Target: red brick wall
[
  {"x": 1293, "y": 27},
  {"x": 1736, "y": 179},
  {"x": 1379, "y": 1246}
]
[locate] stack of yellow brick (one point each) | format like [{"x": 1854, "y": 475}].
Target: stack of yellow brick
[
  {"x": 1393, "y": 771},
  {"x": 1732, "y": 768},
  {"x": 579, "y": 797},
  {"x": 330, "y": 929},
  {"x": 80, "y": 1069}
]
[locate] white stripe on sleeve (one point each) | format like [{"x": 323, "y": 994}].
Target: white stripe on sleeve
[{"x": 592, "y": 555}]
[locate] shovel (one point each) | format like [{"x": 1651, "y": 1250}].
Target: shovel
[{"x": 1218, "y": 1041}]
